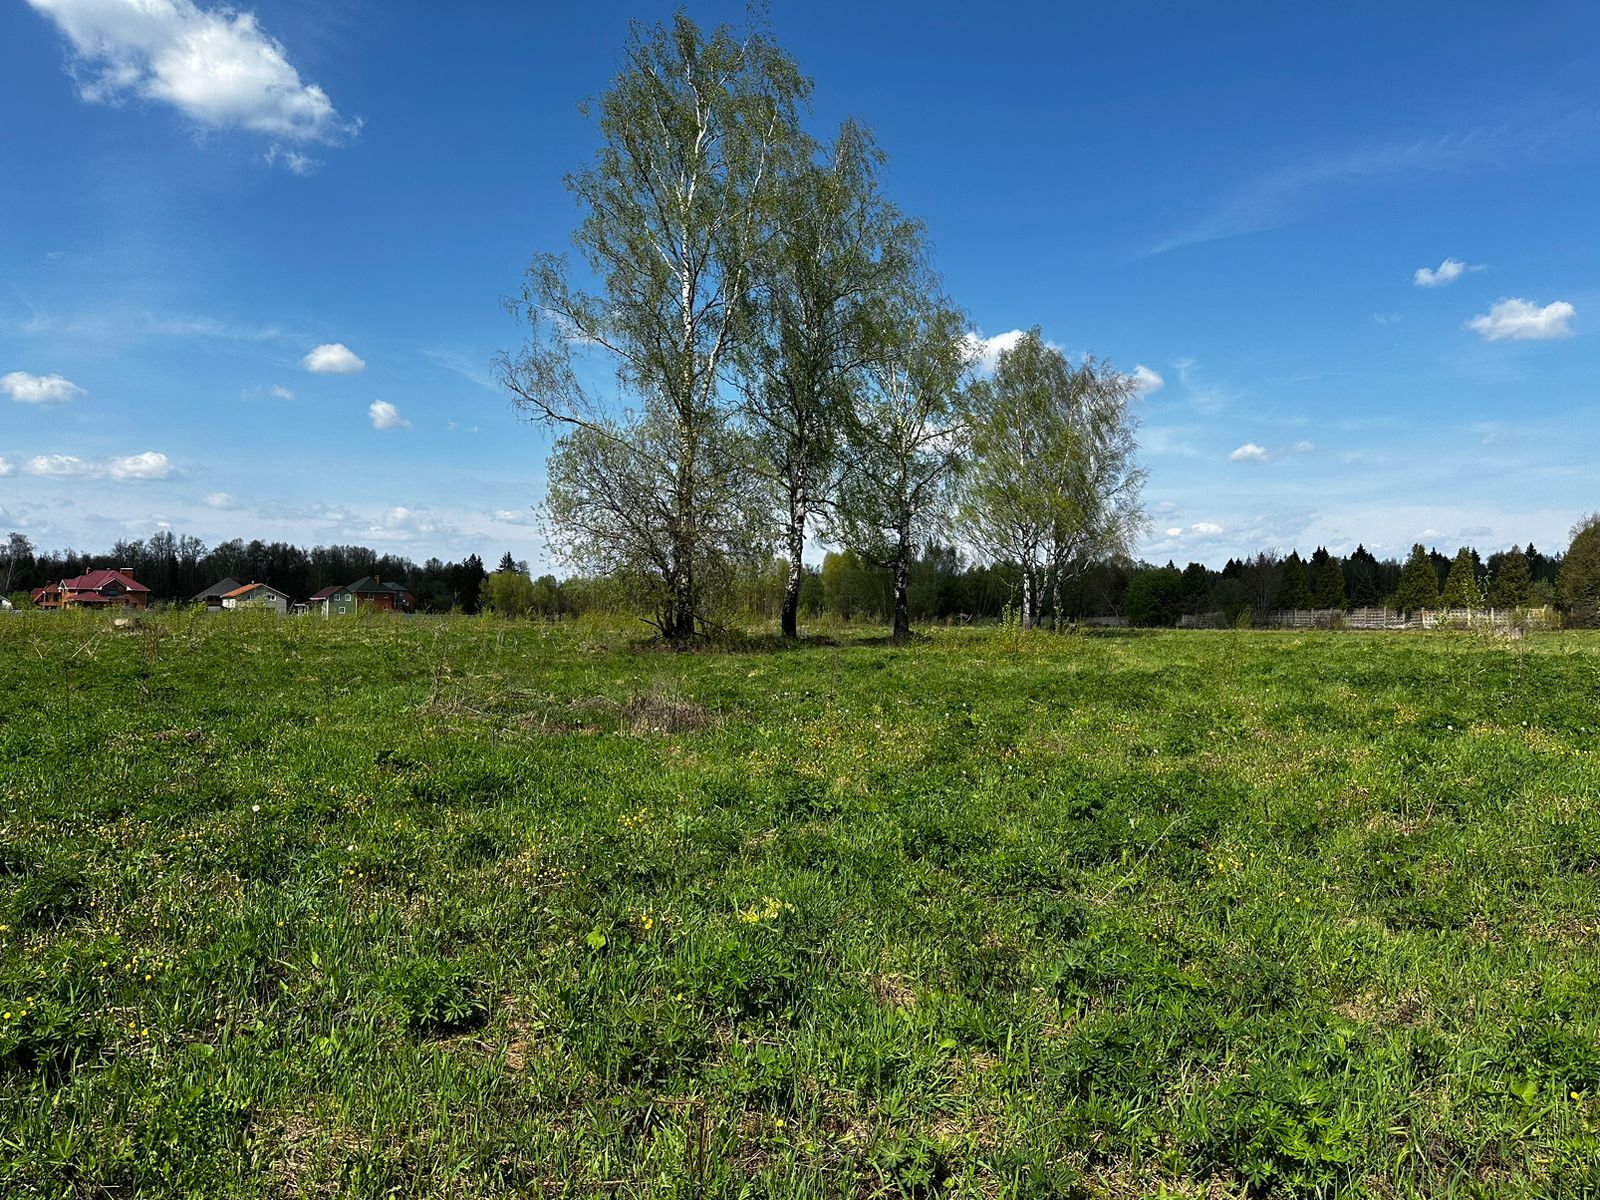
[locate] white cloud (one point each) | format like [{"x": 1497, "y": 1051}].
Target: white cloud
[
  {"x": 386, "y": 416},
  {"x": 38, "y": 389},
  {"x": 1448, "y": 271},
  {"x": 293, "y": 161},
  {"x": 281, "y": 392},
  {"x": 1303, "y": 447},
  {"x": 1249, "y": 452},
  {"x": 135, "y": 467},
  {"x": 1175, "y": 531},
  {"x": 1524, "y": 321},
  {"x": 986, "y": 351},
  {"x": 1147, "y": 382},
  {"x": 5, "y": 466},
  {"x": 216, "y": 66},
  {"x": 1206, "y": 528},
  {"x": 334, "y": 358},
  {"x": 61, "y": 466},
  {"x": 219, "y": 500},
  {"x": 148, "y": 465}
]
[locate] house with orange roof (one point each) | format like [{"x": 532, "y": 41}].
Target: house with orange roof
[
  {"x": 97, "y": 589},
  {"x": 256, "y": 595}
]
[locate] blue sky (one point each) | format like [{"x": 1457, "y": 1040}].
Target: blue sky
[{"x": 1236, "y": 198}]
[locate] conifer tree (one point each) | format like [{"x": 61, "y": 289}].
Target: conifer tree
[
  {"x": 1580, "y": 572},
  {"x": 1419, "y": 586},
  {"x": 1512, "y": 581},
  {"x": 1295, "y": 592},
  {"x": 1461, "y": 586},
  {"x": 1330, "y": 584}
]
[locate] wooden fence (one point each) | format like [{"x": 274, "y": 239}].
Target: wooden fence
[{"x": 1518, "y": 619}]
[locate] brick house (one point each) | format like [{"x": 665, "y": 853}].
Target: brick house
[{"x": 98, "y": 589}]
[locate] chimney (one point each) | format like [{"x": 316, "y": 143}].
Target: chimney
[
  {"x": 128, "y": 571},
  {"x": 378, "y": 579}
]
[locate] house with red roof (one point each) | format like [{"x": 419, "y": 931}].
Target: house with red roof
[
  {"x": 368, "y": 592},
  {"x": 98, "y": 589}
]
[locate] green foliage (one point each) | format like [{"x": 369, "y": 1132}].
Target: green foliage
[
  {"x": 508, "y": 594},
  {"x": 1294, "y": 593},
  {"x": 450, "y": 907},
  {"x": 1461, "y": 586},
  {"x": 1330, "y": 584},
  {"x": 435, "y": 997},
  {"x": 1511, "y": 583},
  {"x": 1154, "y": 598},
  {"x": 1580, "y": 573},
  {"x": 1419, "y": 585}
]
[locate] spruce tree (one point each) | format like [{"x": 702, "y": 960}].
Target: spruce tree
[
  {"x": 1580, "y": 573},
  {"x": 1419, "y": 586},
  {"x": 1330, "y": 584},
  {"x": 1512, "y": 581},
  {"x": 1461, "y": 586},
  {"x": 1295, "y": 591}
]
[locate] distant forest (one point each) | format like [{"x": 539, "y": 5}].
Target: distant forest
[{"x": 944, "y": 585}]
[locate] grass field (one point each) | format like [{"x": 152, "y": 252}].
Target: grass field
[{"x": 465, "y": 908}]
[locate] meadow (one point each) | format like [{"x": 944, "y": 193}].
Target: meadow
[{"x": 464, "y": 907}]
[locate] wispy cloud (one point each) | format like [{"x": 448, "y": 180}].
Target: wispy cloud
[
  {"x": 1450, "y": 270},
  {"x": 1290, "y": 193}
]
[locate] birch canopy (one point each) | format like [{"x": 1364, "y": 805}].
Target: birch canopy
[
  {"x": 1053, "y": 483},
  {"x": 692, "y": 131}
]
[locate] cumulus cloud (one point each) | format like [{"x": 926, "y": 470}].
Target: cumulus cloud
[
  {"x": 1206, "y": 528},
  {"x": 1175, "y": 531},
  {"x": 61, "y": 466},
  {"x": 1249, "y": 452},
  {"x": 148, "y": 465},
  {"x": 217, "y": 66},
  {"x": 38, "y": 389},
  {"x": 386, "y": 416},
  {"x": 281, "y": 392},
  {"x": 1146, "y": 382},
  {"x": 333, "y": 358},
  {"x": 986, "y": 351},
  {"x": 219, "y": 500},
  {"x": 133, "y": 468},
  {"x": 1448, "y": 271},
  {"x": 1518, "y": 320},
  {"x": 5, "y": 466}
]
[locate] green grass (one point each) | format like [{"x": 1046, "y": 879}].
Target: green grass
[{"x": 463, "y": 908}]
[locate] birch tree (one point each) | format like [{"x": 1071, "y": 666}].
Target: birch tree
[
  {"x": 1106, "y": 515},
  {"x": 834, "y": 247},
  {"x": 1053, "y": 484},
  {"x": 674, "y": 202},
  {"x": 907, "y": 439}
]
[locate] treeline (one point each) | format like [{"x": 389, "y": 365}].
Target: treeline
[
  {"x": 1426, "y": 580},
  {"x": 177, "y": 567}
]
